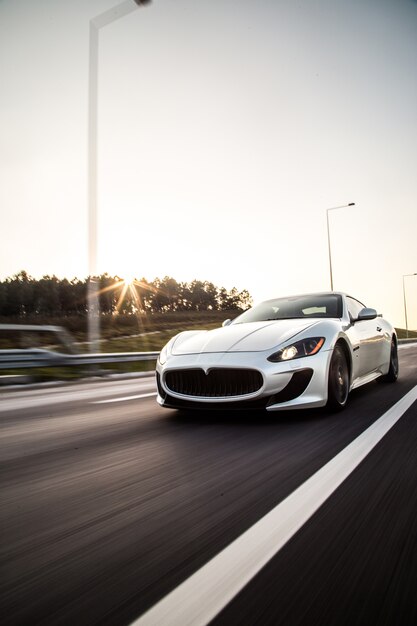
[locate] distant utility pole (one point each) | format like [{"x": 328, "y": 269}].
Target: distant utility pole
[
  {"x": 98, "y": 22},
  {"x": 405, "y": 301},
  {"x": 343, "y": 206}
]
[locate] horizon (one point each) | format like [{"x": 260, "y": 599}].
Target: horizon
[{"x": 126, "y": 285}]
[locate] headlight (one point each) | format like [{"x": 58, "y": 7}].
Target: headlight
[
  {"x": 163, "y": 355},
  {"x": 305, "y": 347}
]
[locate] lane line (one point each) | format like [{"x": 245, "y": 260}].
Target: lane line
[
  {"x": 202, "y": 596},
  {"x": 86, "y": 395},
  {"x": 142, "y": 395}
]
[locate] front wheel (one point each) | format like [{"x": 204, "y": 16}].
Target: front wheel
[
  {"x": 392, "y": 375},
  {"x": 338, "y": 384}
]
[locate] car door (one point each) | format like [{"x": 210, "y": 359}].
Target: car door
[{"x": 367, "y": 338}]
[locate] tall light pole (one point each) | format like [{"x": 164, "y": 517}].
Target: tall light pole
[
  {"x": 405, "y": 301},
  {"x": 342, "y": 206},
  {"x": 98, "y": 22}
]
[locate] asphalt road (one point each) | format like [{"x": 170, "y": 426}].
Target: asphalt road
[{"x": 109, "y": 503}]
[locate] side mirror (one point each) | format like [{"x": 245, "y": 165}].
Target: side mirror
[
  {"x": 367, "y": 314},
  {"x": 227, "y": 322}
]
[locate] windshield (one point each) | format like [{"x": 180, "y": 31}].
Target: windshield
[{"x": 296, "y": 307}]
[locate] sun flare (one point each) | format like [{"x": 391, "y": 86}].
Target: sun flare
[
  {"x": 129, "y": 288},
  {"x": 129, "y": 279}
]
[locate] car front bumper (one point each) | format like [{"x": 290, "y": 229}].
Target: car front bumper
[{"x": 296, "y": 384}]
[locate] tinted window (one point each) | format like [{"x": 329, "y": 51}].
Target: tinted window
[
  {"x": 354, "y": 306},
  {"x": 326, "y": 305}
]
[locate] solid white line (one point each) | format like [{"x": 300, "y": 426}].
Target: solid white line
[
  {"x": 142, "y": 395},
  {"x": 202, "y": 596}
]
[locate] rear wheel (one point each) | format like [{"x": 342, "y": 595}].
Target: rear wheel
[
  {"x": 392, "y": 375},
  {"x": 338, "y": 385}
]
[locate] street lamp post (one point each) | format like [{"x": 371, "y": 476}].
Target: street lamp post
[
  {"x": 96, "y": 23},
  {"x": 342, "y": 206},
  {"x": 405, "y": 301}
]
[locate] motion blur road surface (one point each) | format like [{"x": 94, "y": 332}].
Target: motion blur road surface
[{"x": 110, "y": 502}]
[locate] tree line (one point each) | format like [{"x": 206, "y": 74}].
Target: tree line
[{"x": 24, "y": 296}]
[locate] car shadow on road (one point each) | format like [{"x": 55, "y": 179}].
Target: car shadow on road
[{"x": 254, "y": 417}]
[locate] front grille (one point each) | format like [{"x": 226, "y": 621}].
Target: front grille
[{"x": 217, "y": 383}]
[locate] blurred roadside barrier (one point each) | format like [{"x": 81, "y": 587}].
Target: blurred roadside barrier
[
  {"x": 49, "y": 352},
  {"x": 12, "y": 359},
  {"x": 47, "y": 348},
  {"x": 24, "y": 359}
]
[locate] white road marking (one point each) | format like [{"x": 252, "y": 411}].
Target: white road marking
[
  {"x": 142, "y": 395},
  {"x": 38, "y": 398},
  {"x": 202, "y": 596}
]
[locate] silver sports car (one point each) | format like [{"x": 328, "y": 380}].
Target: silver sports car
[{"x": 295, "y": 352}]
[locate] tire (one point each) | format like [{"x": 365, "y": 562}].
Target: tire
[
  {"x": 392, "y": 375},
  {"x": 339, "y": 380}
]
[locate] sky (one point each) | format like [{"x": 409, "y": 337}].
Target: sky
[{"x": 225, "y": 130}]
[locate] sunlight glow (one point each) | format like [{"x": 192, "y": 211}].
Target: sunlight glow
[
  {"x": 129, "y": 285},
  {"x": 129, "y": 279},
  {"x": 122, "y": 295}
]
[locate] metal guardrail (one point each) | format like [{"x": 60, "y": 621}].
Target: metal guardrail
[
  {"x": 36, "y": 358},
  {"x": 55, "y": 348}
]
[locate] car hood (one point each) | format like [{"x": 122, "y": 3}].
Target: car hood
[{"x": 249, "y": 337}]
